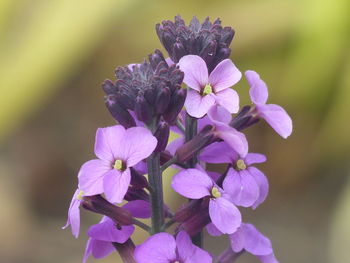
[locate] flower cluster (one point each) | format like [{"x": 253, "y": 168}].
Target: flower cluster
[{"x": 188, "y": 93}]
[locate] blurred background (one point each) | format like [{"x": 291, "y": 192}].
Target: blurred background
[{"x": 54, "y": 56}]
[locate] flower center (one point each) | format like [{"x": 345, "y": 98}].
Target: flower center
[
  {"x": 240, "y": 165},
  {"x": 80, "y": 195},
  {"x": 207, "y": 90},
  {"x": 118, "y": 165},
  {"x": 215, "y": 192}
]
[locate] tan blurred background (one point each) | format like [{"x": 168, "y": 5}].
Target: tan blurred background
[{"x": 54, "y": 56}]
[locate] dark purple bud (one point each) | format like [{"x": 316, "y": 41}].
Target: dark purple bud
[
  {"x": 162, "y": 135},
  {"x": 126, "y": 251},
  {"x": 175, "y": 106},
  {"x": 118, "y": 112},
  {"x": 143, "y": 109},
  {"x": 125, "y": 100},
  {"x": 100, "y": 205},
  {"x": 136, "y": 194},
  {"x": 150, "y": 95},
  {"x": 155, "y": 58},
  {"x": 208, "y": 52},
  {"x": 138, "y": 181},
  {"x": 188, "y": 210},
  {"x": 108, "y": 87},
  {"x": 162, "y": 100},
  {"x": 179, "y": 50},
  {"x": 196, "y": 223},
  {"x": 197, "y": 143}
]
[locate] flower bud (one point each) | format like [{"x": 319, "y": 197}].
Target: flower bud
[
  {"x": 162, "y": 100},
  {"x": 162, "y": 135},
  {"x": 138, "y": 181},
  {"x": 175, "y": 106},
  {"x": 118, "y": 112},
  {"x": 143, "y": 109},
  {"x": 126, "y": 251},
  {"x": 108, "y": 87}
]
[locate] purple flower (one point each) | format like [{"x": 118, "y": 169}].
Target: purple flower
[
  {"x": 164, "y": 248},
  {"x": 196, "y": 184},
  {"x": 207, "y": 90},
  {"x": 247, "y": 237},
  {"x": 273, "y": 114},
  {"x": 118, "y": 149},
  {"x": 246, "y": 185},
  {"x": 102, "y": 235},
  {"x": 74, "y": 213}
]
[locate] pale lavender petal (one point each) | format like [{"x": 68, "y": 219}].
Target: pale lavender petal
[
  {"x": 138, "y": 208},
  {"x": 91, "y": 176},
  {"x": 169, "y": 61},
  {"x": 224, "y": 75},
  {"x": 73, "y": 219},
  {"x": 141, "y": 167},
  {"x": 258, "y": 89},
  {"x": 175, "y": 144},
  {"x": 252, "y": 158},
  {"x": 235, "y": 139},
  {"x": 268, "y": 259},
  {"x": 241, "y": 187},
  {"x": 101, "y": 249},
  {"x": 197, "y": 105},
  {"x": 219, "y": 115},
  {"x": 224, "y": 215},
  {"x": 213, "y": 230},
  {"x": 277, "y": 118},
  {"x": 214, "y": 175},
  {"x": 88, "y": 250},
  {"x": 195, "y": 70},
  {"x": 255, "y": 242},
  {"x": 107, "y": 231},
  {"x": 228, "y": 99},
  {"x": 263, "y": 184},
  {"x": 107, "y": 141},
  {"x": 136, "y": 144},
  {"x": 159, "y": 248},
  {"x": 116, "y": 185},
  {"x": 237, "y": 240},
  {"x": 218, "y": 152},
  {"x": 189, "y": 253},
  {"x": 192, "y": 183}
]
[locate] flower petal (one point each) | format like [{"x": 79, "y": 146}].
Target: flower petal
[
  {"x": 197, "y": 105},
  {"x": 228, "y": 99},
  {"x": 101, "y": 249},
  {"x": 189, "y": 253},
  {"x": 218, "y": 152},
  {"x": 195, "y": 70},
  {"x": 159, "y": 248},
  {"x": 219, "y": 115},
  {"x": 224, "y": 215},
  {"x": 116, "y": 185},
  {"x": 139, "y": 208},
  {"x": 241, "y": 187},
  {"x": 175, "y": 144},
  {"x": 277, "y": 118},
  {"x": 107, "y": 231},
  {"x": 235, "y": 139},
  {"x": 252, "y": 158},
  {"x": 107, "y": 140},
  {"x": 255, "y": 242},
  {"x": 258, "y": 89},
  {"x": 268, "y": 259},
  {"x": 213, "y": 230},
  {"x": 137, "y": 144},
  {"x": 74, "y": 215},
  {"x": 192, "y": 183},
  {"x": 237, "y": 240},
  {"x": 263, "y": 184},
  {"x": 224, "y": 75},
  {"x": 91, "y": 176}
]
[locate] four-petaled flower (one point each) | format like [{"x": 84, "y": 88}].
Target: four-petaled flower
[
  {"x": 207, "y": 90},
  {"x": 164, "y": 248},
  {"x": 196, "y": 184},
  {"x": 273, "y": 114},
  {"x": 118, "y": 149}
]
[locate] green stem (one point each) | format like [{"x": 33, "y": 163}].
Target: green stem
[
  {"x": 156, "y": 193},
  {"x": 168, "y": 163},
  {"x": 141, "y": 225}
]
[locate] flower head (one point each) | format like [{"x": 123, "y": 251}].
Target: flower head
[
  {"x": 73, "y": 219},
  {"x": 118, "y": 149},
  {"x": 207, "y": 90},
  {"x": 196, "y": 184},
  {"x": 273, "y": 114},
  {"x": 164, "y": 248}
]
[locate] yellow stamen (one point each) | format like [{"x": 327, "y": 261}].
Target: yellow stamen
[
  {"x": 207, "y": 90},
  {"x": 118, "y": 165},
  {"x": 241, "y": 165},
  {"x": 80, "y": 195},
  {"x": 215, "y": 192}
]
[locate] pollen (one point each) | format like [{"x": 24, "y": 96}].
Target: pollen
[
  {"x": 241, "y": 165},
  {"x": 118, "y": 165},
  {"x": 215, "y": 192},
  {"x": 207, "y": 90},
  {"x": 80, "y": 195}
]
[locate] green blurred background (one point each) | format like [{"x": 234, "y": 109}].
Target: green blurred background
[{"x": 54, "y": 56}]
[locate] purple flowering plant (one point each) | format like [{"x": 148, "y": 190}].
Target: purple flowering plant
[{"x": 189, "y": 92}]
